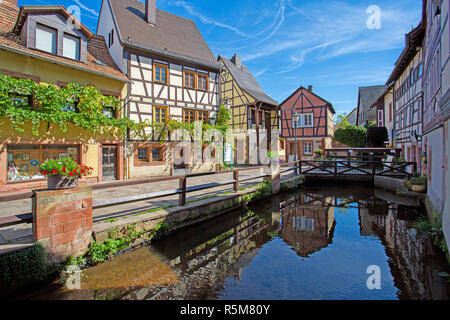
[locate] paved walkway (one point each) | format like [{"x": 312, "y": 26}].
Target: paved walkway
[{"x": 23, "y": 234}]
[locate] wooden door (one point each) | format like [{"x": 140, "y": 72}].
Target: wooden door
[{"x": 109, "y": 163}]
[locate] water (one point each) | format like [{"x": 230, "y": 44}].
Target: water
[{"x": 313, "y": 244}]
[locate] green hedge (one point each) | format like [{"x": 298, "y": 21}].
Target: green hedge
[
  {"x": 24, "y": 267},
  {"x": 355, "y": 137}
]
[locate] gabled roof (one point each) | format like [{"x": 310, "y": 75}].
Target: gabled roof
[
  {"x": 304, "y": 98},
  {"x": 98, "y": 59},
  {"x": 413, "y": 40},
  {"x": 25, "y": 10},
  {"x": 247, "y": 82},
  {"x": 367, "y": 96},
  {"x": 173, "y": 35}
]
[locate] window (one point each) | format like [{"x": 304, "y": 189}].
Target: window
[
  {"x": 156, "y": 154},
  {"x": 298, "y": 124},
  {"x": 109, "y": 112},
  {"x": 202, "y": 82},
  {"x": 24, "y": 160},
  {"x": 160, "y": 73},
  {"x": 21, "y": 100},
  {"x": 189, "y": 79},
  {"x": 202, "y": 116},
  {"x": 420, "y": 71},
  {"x": 111, "y": 38},
  {"x": 71, "y": 47},
  {"x": 308, "y": 120},
  {"x": 380, "y": 118},
  {"x": 71, "y": 107},
  {"x": 307, "y": 148},
  {"x": 46, "y": 39},
  {"x": 160, "y": 114},
  {"x": 390, "y": 112},
  {"x": 188, "y": 116},
  {"x": 143, "y": 154}
]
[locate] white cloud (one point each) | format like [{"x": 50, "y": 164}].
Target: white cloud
[{"x": 82, "y": 6}]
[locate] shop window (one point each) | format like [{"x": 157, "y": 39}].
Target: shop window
[{"x": 24, "y": 161}]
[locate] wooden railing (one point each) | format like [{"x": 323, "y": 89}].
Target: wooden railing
[
  {"x": 182, "y": 191},
  {"x": 339, "y": 168}
]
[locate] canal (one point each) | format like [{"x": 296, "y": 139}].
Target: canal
[{"x": 312, "y": 244}]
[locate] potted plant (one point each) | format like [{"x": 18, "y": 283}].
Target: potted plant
[
  {"x": 418, "y": 184},
  {"x": 63, "y": 173},
  {"x": 318, "y": 153}
]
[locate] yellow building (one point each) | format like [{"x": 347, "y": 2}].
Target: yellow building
[
  {"x": 41, "y": 43},
  {"x": 253, "y": 111}
]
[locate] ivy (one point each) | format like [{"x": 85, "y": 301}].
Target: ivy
[{"x": 57, "y": 105}]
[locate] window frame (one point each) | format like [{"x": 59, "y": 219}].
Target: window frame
[
  {"x": 79, "y": 46},
  {"x": 194, "y": 74},
  {"x": 304, "y": 120},
  {"x": 202, "y": 75},
  {"x": 163, "y": 108},
  {"x": 194, "y": 117},
  {"x": 161, "y": 66},
  {"x": 43, "y": 26},
  {"x": 305, "y": 152}
]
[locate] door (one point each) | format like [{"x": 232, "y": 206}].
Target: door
[{"x": 109, "y": 159}]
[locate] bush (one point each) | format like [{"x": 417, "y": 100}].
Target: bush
[
  {"x": 355, "y": 137},
  {"x": 25, "y": 267}
]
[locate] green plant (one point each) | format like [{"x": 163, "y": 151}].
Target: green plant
[
  {"x": 65, "y": 167},
  {"x": 80, "y": 105},
  {"x": 355, "y": 137},
  {"x": 400, "y": 160},
  {"x": 25, "y": 266},
  {"x": 435, "y": 231}
]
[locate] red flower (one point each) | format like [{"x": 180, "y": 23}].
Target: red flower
[
  {"x": 45, "y": 173},
  {"x": 54, "y": 171},
  {"x": 71, "y": 174},
  {"x": 64, "y": 169}
]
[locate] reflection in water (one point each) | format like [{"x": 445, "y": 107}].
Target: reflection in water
[{"x": 313, "y": 244}]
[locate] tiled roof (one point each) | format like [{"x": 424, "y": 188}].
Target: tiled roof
[
  {"x": 96, "y": 48},
  {"x": 303, "y": 98},
  {"x": 172, "y": 34},
  {"x": 247, "y": 82}
]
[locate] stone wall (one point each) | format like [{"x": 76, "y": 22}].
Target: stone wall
[{"x": 63, "y": 221}]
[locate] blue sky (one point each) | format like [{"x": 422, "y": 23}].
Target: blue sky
[{"x": 288, "y": 43}]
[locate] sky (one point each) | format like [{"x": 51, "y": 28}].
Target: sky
[{"x": 334, "y": 45}]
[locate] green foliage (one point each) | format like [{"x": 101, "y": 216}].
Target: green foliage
[
  {"x": 400, "y": 160},
  {"x": 264, "y": 190},
  {"x": 223, "y": 117},
  {"x": 340, "y": 118},
  {"x": 57, "y": 105},
  {"x": 436, "y": 233},
  {"x": 27, "y": 265},
  {"x": 355, "y": 137}
]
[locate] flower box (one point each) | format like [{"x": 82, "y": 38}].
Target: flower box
[{"x": 64, "y": 173}]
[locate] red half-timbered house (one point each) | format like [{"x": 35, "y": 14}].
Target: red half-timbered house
[{"x": 314, "y": 129}]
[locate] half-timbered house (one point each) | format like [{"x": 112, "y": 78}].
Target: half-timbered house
[
  {"x": 253, "y": 111},
  {"x": 315, "y": 127},
  {"x": 408, "y": 96},
  {"x": 174, "y": 75}
]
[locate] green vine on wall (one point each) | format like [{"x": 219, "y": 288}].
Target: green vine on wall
[{"x": 57, "y": 105}]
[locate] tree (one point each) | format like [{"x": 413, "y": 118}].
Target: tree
[{"x": 340, "y": 118}]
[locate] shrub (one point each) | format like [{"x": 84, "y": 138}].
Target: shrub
[{"x": 355, "y": 137}]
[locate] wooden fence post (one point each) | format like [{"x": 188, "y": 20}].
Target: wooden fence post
[
  {"x": 183, "y": 189},
  {"x": 236, "y": 181}
]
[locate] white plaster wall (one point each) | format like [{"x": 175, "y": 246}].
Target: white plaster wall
[
  {"x": 446, "y": 212},
  {"x": 436, "y": 187},
  {"x": 105, "y": 25},
  {"x": 445, "y": 46}
]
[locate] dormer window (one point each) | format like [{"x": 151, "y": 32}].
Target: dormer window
[
  {"x": 71, "y": 47},
  {"x": 46, "y": 39}
]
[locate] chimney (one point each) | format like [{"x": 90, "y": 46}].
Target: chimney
[
  {"x": 237, "y": 61},
  {"x": 310, "y": 88},
  {"x": 150, "y": 11}
]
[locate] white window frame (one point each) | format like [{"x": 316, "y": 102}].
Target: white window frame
[
  {"x": 380, "y": 118},
  {"x": 77, "y": 48},
  {"x": 44, "y": 28},
  {"x": 307, "y": 151},
  {"x": 305, "y": 124}
]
